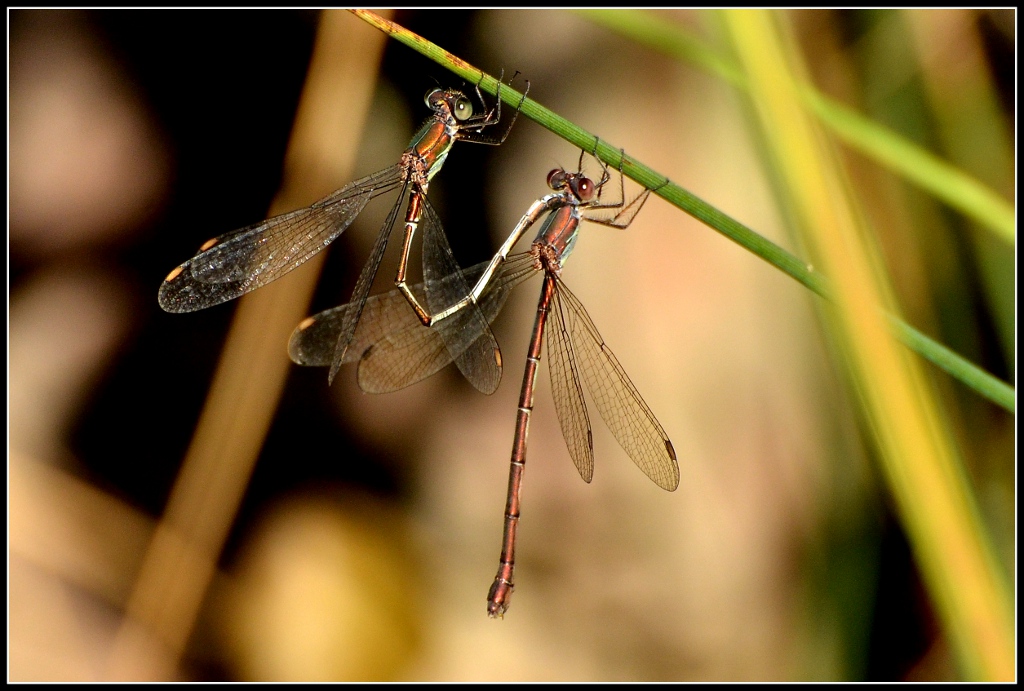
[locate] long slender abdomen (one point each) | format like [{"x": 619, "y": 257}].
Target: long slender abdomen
[{"x": 501, "y": 590}]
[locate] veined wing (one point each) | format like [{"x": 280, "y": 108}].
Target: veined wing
[
  {"x": 393, "y": 348},
  {"x": 567, "y": 390},
  {"x": 466, "y": 334},
  {"x": 363, "y": 284},
  {"x": 231, "y": 265},
  {"x": 314, "y": 340},
  {"x": 621, "y": 407},
  {"x": 405, "y": 356}
]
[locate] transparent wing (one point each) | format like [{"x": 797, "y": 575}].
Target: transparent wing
[
  {"x": 393, "y": 348},
  {"x": 384, "y": 315},
  {"x": 466, "y": 336},
  {"x": 621, "y": 407},
  {"x": 567, "y": 391},
  {"x": 402, "y": 358},
  {"x": 313, "y": 342},
  {"x": 362, "y": 288},
  {"x": 405, "y": 356},
  {"x": 234, "y": 264}
]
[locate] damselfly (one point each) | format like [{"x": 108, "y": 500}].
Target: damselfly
[
  {"x": 394, "y": 350},
  {"x": 233, "y": 264}
]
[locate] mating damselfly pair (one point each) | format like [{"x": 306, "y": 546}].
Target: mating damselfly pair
[{"x": 403, "y": 336}]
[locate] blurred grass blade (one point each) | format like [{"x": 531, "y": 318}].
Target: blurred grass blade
[
  {"x": 958, "y": 367},
  {"x": 958, "y": 88},
  {"x": 918, "y": 456},
  {"x": 953, "y": 186},
  {"x": 181, "y": 559}
]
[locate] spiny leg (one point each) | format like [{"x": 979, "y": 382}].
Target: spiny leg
[{"x": 492, "y": 117}]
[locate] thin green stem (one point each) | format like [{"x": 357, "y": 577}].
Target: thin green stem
[
  {"x": 955, "y": 365},
  {"x": 944, "y": 181}
]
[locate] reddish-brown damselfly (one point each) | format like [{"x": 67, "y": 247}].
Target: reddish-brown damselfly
[
  {"x": 233, "y": 264},
  {"x": 396, "y": 350}
]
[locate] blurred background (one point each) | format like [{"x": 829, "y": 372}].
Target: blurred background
[{"x": 368, "y": 533}]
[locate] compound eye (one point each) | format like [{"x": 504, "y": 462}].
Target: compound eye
[
  {"x": 432, "y": 98},
  {"x": 556, "y": 179},
  {"x": 462, "y": 109},
  {"x": 584, "y": 188}
]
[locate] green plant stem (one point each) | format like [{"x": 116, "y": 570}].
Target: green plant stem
[
  {"x": 942, "y": 357},
  {"x": 944, "y": 181}
]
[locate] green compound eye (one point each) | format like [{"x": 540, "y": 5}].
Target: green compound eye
[
  {"x": 432, "y": 98},
  {"x": 462, "y": 109}
]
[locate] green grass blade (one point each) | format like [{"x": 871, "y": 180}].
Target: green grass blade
[
  {"x": 953, "y": 186},
  {"x": 918, "y": 454}
]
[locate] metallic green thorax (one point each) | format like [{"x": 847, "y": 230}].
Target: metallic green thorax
[{"x": 433, "y": 142}]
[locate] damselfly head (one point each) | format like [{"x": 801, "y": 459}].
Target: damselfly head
[
  {"x": 456, "y": 102},
  {"x": 581, "y": 186}
]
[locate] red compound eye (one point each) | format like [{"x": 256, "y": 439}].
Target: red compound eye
[
  {"x": 584, "y": 188},
  {"x": 556, "y": 179}
]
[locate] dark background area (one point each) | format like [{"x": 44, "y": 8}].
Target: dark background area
[{"x": 225, "y": 95}]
